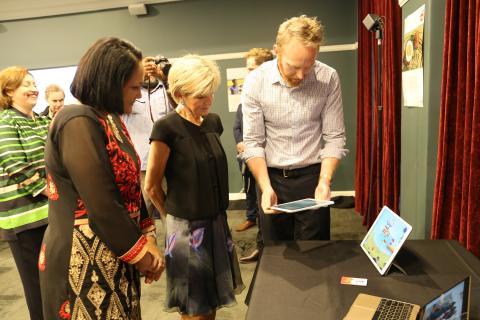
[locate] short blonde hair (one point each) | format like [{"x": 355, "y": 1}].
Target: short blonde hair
[
  {"x": 10, "y": 79},
  {"x": 308, "y": 30},
  {"x": 260, "y": 55},
  {"x": 194, "y": 76},
  {"x": 53, "y": 88}
]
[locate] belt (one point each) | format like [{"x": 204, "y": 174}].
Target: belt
[{"x": 292, "y": 173}]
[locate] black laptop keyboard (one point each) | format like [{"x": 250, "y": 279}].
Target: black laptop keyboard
[{"x": 392, "y": 310}]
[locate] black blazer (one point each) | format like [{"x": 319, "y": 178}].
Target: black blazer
[{"x": 238, "y": 125}]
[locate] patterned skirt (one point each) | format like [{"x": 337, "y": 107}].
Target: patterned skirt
[
  {"x": 202, "y": 268},
  {"x": 101, "y": 286}
]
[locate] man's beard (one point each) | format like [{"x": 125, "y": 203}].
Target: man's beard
[{"x": 291, "y": 81}]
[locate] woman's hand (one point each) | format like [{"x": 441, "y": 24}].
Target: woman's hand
[
  {"x": 144, "y": 264},
  {"x": 157, "y": 264}
]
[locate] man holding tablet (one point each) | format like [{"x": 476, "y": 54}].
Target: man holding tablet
[{"x": 294, "y": 132}]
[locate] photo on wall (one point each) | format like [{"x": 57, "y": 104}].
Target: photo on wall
[
  {"x": 235, "y": 78},
  {"x": 412, "y": 59}
]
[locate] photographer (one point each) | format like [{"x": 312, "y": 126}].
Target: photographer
[{"x": 154, "y": 104}]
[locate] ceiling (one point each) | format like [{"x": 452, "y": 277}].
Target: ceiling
[{"x": 16, "y": 10}]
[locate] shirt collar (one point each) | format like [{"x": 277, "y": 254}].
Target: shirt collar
[
  {"x": 275, "y": 76},
  {"x": 23, "y": 114}
]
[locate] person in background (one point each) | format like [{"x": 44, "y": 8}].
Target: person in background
[
  {"x": 23, "y": 194},
  {"x": 153, "y": 105},
  {"x": 100, "y": 235},
  {"x": 55, "y": 98},
  {"x": 254, "y": 58},
  {"x": 201, "y": 264},
  {"x": 294, "y": 131}
]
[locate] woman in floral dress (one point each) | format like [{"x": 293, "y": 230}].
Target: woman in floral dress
[{"x": 202, "y": 267}]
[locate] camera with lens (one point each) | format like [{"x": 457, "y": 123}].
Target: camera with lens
[{"x": 164, "y": 65}]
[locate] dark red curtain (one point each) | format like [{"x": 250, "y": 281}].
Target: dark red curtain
[
  {"x": 456, "y": 206},
  {"x": 377, "y": 182}
]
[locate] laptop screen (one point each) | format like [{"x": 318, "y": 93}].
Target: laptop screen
[
  {"x": 452, "y": 304},
  {"x": 385, "y": 238}
]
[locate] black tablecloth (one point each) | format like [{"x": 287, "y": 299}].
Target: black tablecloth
[{"x": 301, "y": 280}]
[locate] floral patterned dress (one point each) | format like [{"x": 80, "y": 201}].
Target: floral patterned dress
[{"x": 97, "y": 221}]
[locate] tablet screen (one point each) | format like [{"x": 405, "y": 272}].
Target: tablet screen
[
  {"x": 385, "y": 238},
  {"x": 301, "y": 205}
]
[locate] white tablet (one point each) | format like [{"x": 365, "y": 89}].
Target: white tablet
[
  {"x": 385, "y": 238},
  {"x": 301, "y": 205}
]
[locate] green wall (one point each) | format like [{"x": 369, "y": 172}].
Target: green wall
[
  {"x": 194, "y": 26},
  {"x": 420, "y": 126}
]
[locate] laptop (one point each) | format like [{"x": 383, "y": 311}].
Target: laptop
[
  {"x": 452, "y": 304},
  {"x": 385, "y": 238}
]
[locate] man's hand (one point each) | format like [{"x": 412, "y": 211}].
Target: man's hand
[
  {"x": 150, "y": 68},
  {"x": 322, "y": 192},
  {"x": 240, "y": 147},
  {"x": 269, "y": 199}
]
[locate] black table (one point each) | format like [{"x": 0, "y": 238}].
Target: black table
[{"x": 301, "y": 280}]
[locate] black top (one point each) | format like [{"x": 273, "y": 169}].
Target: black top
[
  {"x": 196, "y": 171},
  {"x": 238, "y": 125},
  {"x": 45, "y": 112},
  {"x": 93, "y": 174}
]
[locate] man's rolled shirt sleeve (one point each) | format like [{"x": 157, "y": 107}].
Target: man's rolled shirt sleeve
[
  {"x": 253, "y": 121},
  {"x": 333, "y": 127}
]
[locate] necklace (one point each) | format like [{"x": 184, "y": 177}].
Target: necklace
[{"x": 115, "y": 130}]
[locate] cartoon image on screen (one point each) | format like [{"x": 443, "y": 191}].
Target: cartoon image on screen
[
  {"x": 385, "y": 238},
  {"x": 450, "y": 305}
]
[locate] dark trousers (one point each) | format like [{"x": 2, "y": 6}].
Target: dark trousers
[
  {"x": 305, "y": 225},
  {"x": 25, "y": 251},
  {"x": 251, "y": 195}
]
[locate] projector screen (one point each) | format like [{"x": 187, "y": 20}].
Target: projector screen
[{"x": 59, "y": 76}]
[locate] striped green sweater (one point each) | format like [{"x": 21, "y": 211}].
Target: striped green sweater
[{"x": 22, "y": 172}]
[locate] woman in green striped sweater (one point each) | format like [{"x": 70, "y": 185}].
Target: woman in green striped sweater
[{"x": 23, "y": 194}]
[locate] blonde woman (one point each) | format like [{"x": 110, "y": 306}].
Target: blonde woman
[
  {"x": 201, "y": 263},
  {"x": 55, "y": 97}
]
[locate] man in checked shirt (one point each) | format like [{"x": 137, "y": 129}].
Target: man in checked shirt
[{"x": 294, "y": 131}]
